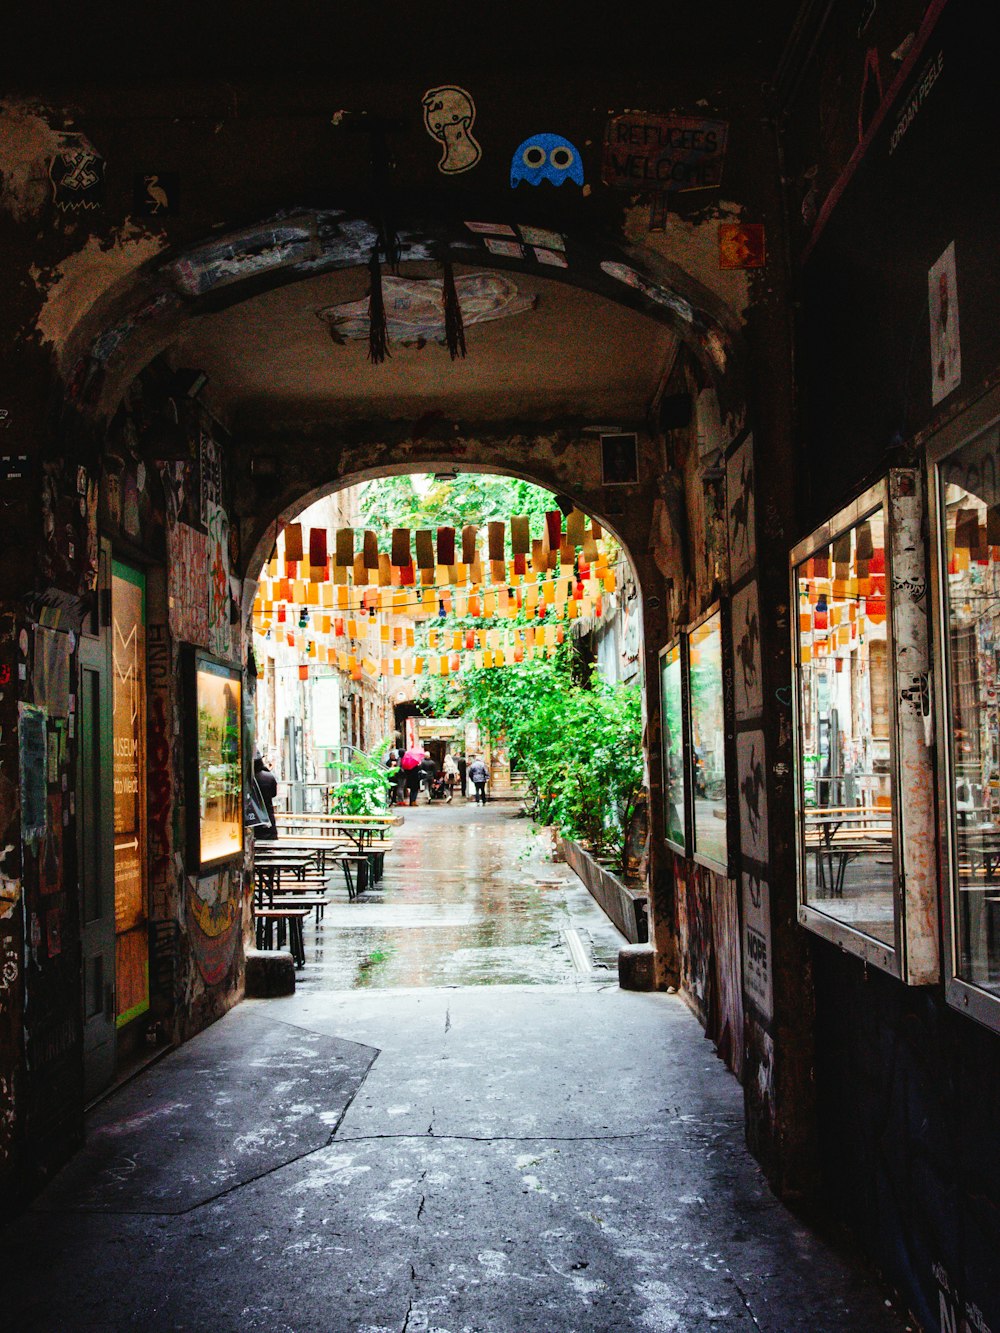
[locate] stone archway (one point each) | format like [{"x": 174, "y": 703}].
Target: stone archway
[
  {"x": 225, "y": 299},
  {"x": 557, "y": 460}
]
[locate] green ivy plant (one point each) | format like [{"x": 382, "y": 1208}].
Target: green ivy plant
[
  {"x": 578, "y": 743},
  {"x": 365, "y": 782}
]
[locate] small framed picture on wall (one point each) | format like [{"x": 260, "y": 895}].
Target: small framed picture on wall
[{"x": 619, "y": 460}]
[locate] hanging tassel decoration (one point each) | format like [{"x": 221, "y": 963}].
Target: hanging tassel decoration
[
  {"x": 378, "y": 333},
  {"x": 454, "y": 327}
]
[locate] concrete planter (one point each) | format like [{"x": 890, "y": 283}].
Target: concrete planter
[{"x": 624, "y": 905}]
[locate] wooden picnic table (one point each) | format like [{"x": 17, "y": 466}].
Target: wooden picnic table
[
  {"x": 981, "y": 844},
  {"x": 269, "y": 868},
  {"x": 329, "y": 849},
  {"x": 840, "y": 834},
  {"x": 308, "y": 817},
  {"x": 363, "y": 830}
]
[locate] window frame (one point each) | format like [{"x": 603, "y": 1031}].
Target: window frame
[
  {"x": 887, "y": 958},
  {"x": 960, "y": 994},
  {"x": 679, "y": 642},
  {"x": 702, "y": 858}
]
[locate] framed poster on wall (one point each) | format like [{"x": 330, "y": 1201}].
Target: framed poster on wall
[{"x": 213, "y": 740}]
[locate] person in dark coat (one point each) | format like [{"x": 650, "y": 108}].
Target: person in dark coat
[
  {"x": 397, "y": 792},
  {"x": 412, "y": 771},
  {"x": 428, "y": 772},
  {"x": 479, "y": 775},
  {"x": 267, "y": 785}
]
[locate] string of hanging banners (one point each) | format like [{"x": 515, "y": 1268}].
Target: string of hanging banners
[{"x": 343, "y": 606}]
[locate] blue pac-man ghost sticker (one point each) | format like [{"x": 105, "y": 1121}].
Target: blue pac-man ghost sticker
[{"x": 546, "y": 157}]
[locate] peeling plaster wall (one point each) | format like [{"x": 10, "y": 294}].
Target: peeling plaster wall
[
  {"x": 692, "y": 243},
  {"x": 90, "y": 274},
  {"x": 200, "y": 921},
  {"x": 28, "y": 141}
]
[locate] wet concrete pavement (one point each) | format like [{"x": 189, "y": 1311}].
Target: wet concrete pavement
[
  {"x": 469, "y": 897},
  {"x": 507, "y": 1158}
]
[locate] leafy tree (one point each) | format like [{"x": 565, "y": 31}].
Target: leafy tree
[
  {"x": 472, "y": 497},
  {"x": 579, "y": 746}
]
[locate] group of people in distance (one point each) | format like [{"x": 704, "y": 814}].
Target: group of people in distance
[{"x": 414, "y": 768}]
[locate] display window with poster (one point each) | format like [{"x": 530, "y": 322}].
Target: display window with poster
[
  {"x": 213, "y": 762},
  {"x": 674, "y": 746},
  {"x": 965, "y": 481},
  {"x": 128, "y": 656},
  {"x": 863, "y": 758},
  {"x": 707, "y": 771}
]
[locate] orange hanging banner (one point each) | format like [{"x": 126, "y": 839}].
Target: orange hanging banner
[
  {"x": 574, "y": 527},
  {"x": 520, "y": 535},
  {"x": 400, "y": 547},
  {"x": 497, "y": 533},
  {"x": 344, "y": 546},
  {"x": 293, "y": 542},
  {"x": 425, "y": 549}
]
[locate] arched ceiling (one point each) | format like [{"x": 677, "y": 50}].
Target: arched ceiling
[
  {"x": 300, "y": 39},
  {"x": 271, "y": 359}
]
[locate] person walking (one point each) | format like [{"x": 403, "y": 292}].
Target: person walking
[
  {"x": 479, "y": 775},
  {"x": 267, "y": 785},
  {"x": 450, "y": 774},
  {"x": 396, "y": 777},
  {"x": 428, "y": 772},
  {"x": 412, "y": 772}
]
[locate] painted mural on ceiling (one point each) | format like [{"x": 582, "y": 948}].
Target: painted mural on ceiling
[{"x": 414, "y": 307}]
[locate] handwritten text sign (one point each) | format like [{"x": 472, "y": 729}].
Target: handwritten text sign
[{"x": 663, "y": 153}]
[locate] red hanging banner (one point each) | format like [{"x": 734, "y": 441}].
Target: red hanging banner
[
  {"x": 446, "y": 546},
  {"x": 317, "y": 547}
]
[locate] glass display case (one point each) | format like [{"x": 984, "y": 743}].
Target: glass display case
[
  {"x": 861, "y": 706},
  {"x": 215, "y": 763},
  {"x": 707, "y": 749},
  {"x": 673, "y": 741},
  {"x": 967, "y": 533}
]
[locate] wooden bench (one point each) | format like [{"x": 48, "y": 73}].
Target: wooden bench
[
  {"x": 266, "y": 918},
  {"x": 312, "y": 902},
  {"x": 358, "y": 882}
]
